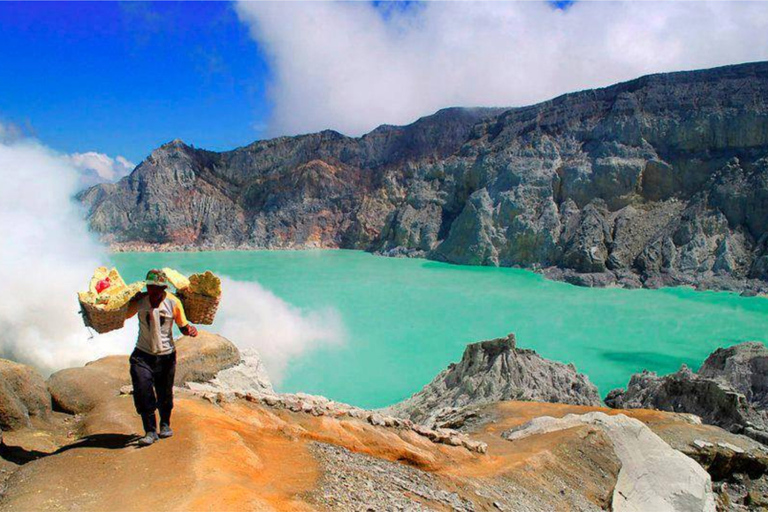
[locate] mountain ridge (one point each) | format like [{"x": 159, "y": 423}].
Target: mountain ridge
[{"x": 660, "y": 180}]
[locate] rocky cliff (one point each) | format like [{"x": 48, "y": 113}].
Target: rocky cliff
[{"x": 660, "y": 180}]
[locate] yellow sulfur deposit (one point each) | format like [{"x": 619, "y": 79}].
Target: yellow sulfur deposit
[
  {"x": 205, "y": 284},
  {"x": 176, "y": 278},
  {"x": 102, "y": 273},
  {"x": 115, "y": 296}
]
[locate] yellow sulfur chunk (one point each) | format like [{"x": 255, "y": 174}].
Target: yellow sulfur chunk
[
  {"x": 98, "y": 274},
  {"x": 115, "y": 278},
  {"x": 177, "y": 279},
  {"x": 111, "y": 298},
  {"x": 206, "y": 283}
]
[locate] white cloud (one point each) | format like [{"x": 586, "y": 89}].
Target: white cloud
[
  {"x": 99, "y": 168},
  {"x": 350, "y": 67}
]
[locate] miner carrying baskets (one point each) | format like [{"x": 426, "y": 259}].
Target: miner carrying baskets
[
  {"x": 153, "y": 361},
  {"x": 109, "y": 301}
]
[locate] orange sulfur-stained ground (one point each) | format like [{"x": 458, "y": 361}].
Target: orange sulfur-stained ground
[{"x": 245, "y": 456}]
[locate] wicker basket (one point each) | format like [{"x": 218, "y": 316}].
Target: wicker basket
[
  {"x": 102, "y": 321},
  {"x": 200, "y": 309}
]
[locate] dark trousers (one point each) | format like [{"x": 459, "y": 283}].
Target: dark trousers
[{"x": 152, "y": 378}]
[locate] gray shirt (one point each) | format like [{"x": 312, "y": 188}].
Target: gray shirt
[{"x": 156, "y": 325}]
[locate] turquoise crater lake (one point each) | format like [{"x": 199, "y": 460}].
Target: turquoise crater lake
[{"x": 407, "y": 319}]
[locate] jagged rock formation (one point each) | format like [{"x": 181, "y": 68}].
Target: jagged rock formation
[
  {"x": 730, "y": 390},
  {"x": 492, "y": 371},
  {"x": 653, "y": 476},
  {"x": 660, "y": 180}
]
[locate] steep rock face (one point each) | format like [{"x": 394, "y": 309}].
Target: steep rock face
[
  {"x": 729, "y": 390},
  {"x": 660, "y": 180},
  {"x": 496, "y": 370},
  {"x": 316, "y": 190}
]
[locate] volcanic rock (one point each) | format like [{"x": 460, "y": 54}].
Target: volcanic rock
[
  {"x": 23, "y": 395},
  {"x": 730, "y": 390},
  {"x": 248, "y": 376},
  {"x": 79, "y": 390},
  {"x": 199, "y": 359},
  {"x": 495, "y": 370},
  {"x": 653, "y": 475}
]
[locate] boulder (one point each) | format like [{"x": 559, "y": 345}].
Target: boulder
[
  {"x": 495, "y": 370},
  {"x": 23, "y": 395},
  {"x": 248, "y": 376},
  {"x": 730, "y": 390},
  {"x": 202, "y": 357},
  {"x": 79, "y": 390},
  {"x": 653, "y": 475}
]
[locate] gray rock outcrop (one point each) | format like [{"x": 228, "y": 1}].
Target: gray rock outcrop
[
  {"x": 730, "y": 390},
  {"x": 201, "y": 358},
  {"x": 23, "y": 396},
  {"x": 653, "y": 475},
  {"x": 661, "y": 180},
  {"x": 495, "y": 370},
  {"x": 248, "y": 376}
]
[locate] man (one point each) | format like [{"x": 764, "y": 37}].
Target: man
[{"x": 153, "y": 362}]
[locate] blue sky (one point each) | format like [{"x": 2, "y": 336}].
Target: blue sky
[{"x": 122, "y": 78}]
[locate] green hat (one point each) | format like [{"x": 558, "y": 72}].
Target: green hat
[{"x": 156, "y": 277}]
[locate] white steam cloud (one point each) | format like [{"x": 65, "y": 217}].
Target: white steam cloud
[
  {"x": 351, "y": 66},
  {"x": 47, "y": 255},
  {"x": 254, "y": 317},
  {"x": 98, "y": 168}
]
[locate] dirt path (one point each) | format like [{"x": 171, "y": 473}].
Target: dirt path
[{"x": 211, "y": 463}]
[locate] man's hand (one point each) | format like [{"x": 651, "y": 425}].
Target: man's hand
[{"x": 189, "y": 330}]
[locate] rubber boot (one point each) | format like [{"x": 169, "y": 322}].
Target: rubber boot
[
  {"x": 148, "y": 439},
  {"x": 165, "y": 423}
]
